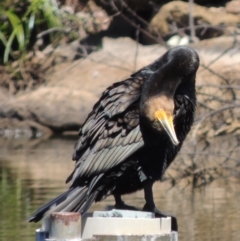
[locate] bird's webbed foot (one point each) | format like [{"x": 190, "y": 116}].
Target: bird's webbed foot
[
  {"x": 124, "y": 206},
  {"x": 121, "y": 205},
  {"x": 159, "y": 214}
]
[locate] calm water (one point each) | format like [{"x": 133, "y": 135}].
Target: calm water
[{"x": 34, "y": 171}]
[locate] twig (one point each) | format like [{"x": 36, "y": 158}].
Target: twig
[
  {"x": 221, "y": 77},
  {"x": 219, "y": 154},
  {"x": 158, "y": 40},
  {"x": 236, "y": 87},
  {"x": 223, "y": 53},
  {"x": 51, "y": 30},
  {"x": 85, "y": 54},
  {"x": 213, "y": 97},
  {"x": 136, "y": 52},
  {"x": 204, "y": 105},
  {"x": 140, "y": 19},
  {"x": 201, "y": 119},
  {"x": 205, "y": 26},
  {"x": 191, "y": 21}
]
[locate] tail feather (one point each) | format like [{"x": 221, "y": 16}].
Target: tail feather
[
  {"x": 77, "y": 199},
  {"x": 89, "y": 201},
  {"x": 73, "y": 200}
]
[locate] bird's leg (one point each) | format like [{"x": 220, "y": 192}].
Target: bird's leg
[
  {"x": 150, "y": 205},
  {"x": 119, "y": 204}
]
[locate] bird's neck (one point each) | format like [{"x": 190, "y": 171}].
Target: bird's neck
[{"x": 151, "y": 136}]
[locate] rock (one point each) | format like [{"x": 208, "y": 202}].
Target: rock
[
  {"x": 62, "y": 53},
  {"x": 135, "y": 5},
  {"x": 233, "y": 7},
  {"x": 57, "y": 108},
  {"x": 210, "y": 22},
  {"x": 72, "y": 88},
  {"x": 210, "y": 2},
  {"x": 222, "y": 45},
  {"x": 100, "y": 69},
  {"x": 177, "y": 40},
  {"x": 217, "y": 87},
  {"x": 14, "y": 128},
  {"x": 4, "y": 95},
  {"x": 147, "y": 5}
]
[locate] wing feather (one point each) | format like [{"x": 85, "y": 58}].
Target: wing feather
[
  {"x": 108, "y": 157},
  {"x": 111, "y": 132}
]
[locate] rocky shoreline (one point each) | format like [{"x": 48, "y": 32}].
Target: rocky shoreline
[{"x": 72, "y": 85}]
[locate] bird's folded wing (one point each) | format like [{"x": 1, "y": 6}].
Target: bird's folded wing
[
  {"x": 111, "y": 132},
  {"x": 109, "y": 153}
]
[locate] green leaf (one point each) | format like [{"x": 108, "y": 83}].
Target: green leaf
[
  {"x": 2, "y": 38},
  {"x": 29, "y": 27},
  {"x": 17, "y": 29},
  {"x": 31, "y": 21},
  {"x": 8, "y": 49}
]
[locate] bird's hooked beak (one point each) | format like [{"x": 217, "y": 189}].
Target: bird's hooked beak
[{"x": 166, "y": 121}]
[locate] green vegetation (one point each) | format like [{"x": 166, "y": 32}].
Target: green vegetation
[
  {"x": 15, "y": 208},
  {"x": 19, "y": 19}
]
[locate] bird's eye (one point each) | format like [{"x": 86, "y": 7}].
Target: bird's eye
[{"x": 156, "y": 124}]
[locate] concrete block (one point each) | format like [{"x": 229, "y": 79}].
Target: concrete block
[
  {"x": 65, "y": 225},
  {"x": 166, "y": 225},
  {"x": 159, "y": 237},
  {"x": 114, "y": 225},
  {"x": 122, "y": 226},
  {"x": 123, "y": 214}
]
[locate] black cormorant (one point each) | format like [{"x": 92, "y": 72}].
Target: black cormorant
[{"x": 132, "y": 135}]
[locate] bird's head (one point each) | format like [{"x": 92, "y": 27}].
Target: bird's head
[{"x": 173, "y": 73}]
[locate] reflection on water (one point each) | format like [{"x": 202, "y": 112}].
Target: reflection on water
[{"x": 32, "y": 172}]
